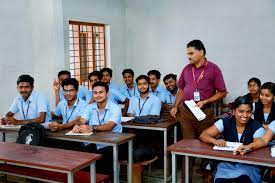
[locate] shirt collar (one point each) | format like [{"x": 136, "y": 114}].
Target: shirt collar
[
  {"x": 31, "y": 97},
  {"x": 94, "y": 105},
  {"x": 76, "y": 102}
]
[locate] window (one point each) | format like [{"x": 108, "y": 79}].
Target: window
[{"x": 87, "y": 49}]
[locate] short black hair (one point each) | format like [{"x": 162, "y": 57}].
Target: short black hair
[
  {"x": 130, "y": 71},
  {"x": 168, "y": 76},
  {"x": 256, "y": 80},
  {"x": 197, "y": 44},
  {"x": 100, "y": 83},
  {"x": 106, "y": 69},
  {"x": 143, "y": 77},
  {"x": 242, "y": 100},
  {"x": 269, "y": 86},
  {"x": 25, "y": 78},
  {"x": 70, "y": 81},
  {"x": 154, "y": 72},
  {"x": 95, "y": 73},
  {"x": 64, "y": 72}
]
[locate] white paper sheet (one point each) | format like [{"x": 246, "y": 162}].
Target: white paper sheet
[
  {"x": 78, "y": 134},
  {"x": 11, "y": 126},
  {"x": 125, "y": 119},
  {"x": 198, "y": 113},
  {"x": 230, "y": 146}
]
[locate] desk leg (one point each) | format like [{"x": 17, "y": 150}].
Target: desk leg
[
  {"x": 70, "y": 177},
  {"x": 174, "y": 168},
  {"x": 165, "y": 156},
  {"x": 115, "y": 164},
  {"x": 175, "y": 133},
  {"x": 186, "y": 169},
  {"x": 92, "y": 173},
  {"x": 3, "y": 136},
  {"x": 130, "y": 161}
]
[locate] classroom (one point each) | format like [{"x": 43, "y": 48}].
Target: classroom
[{"x": 215, "y": 52}]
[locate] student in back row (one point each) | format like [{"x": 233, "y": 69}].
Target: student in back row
[
  {"x": 155, "y": 87},
  {"x": 59, "y": 93},
  {"x": 130, "y": 88},
  {"x": 29, "y": 104},
  {"x": 170, "y": 81}
]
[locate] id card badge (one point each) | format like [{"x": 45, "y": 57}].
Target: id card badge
[{"x": 197, "y": 97}]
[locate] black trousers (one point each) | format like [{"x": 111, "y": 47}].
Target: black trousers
[{"x": 240, "y": 179}]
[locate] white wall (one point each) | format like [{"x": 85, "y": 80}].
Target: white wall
[
  {"x": 238, "y": 35},
  {"x": 110, "y": 12},
  {"x": 31, "y": 37}
]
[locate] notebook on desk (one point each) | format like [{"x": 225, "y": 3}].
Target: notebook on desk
[
  {"x": 78, "y": 134},
  {"x": 230, "y": 146}
]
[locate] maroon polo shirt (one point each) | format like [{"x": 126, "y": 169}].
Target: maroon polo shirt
[{"x": 211, "y": 82}]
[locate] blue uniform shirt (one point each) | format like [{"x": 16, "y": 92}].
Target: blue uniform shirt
[
  {"x": 149, "y": 106},
  {"x": 82, "y": 93},
  {"x": 116, "y": 96},
  {"x": 70, "y": 114},
  {"x": 160, "y": 92},
  {"x": 31, "y": 108},
  {"x": 112, "y": 112},
  {"x": 129, "y": 93}
]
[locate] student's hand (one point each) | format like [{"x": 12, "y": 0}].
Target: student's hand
[
  {"x": 173, "y": 112},
  {"x": 243, "y": 149},
  {"x": 167, "y": 107},
  {"x": 220, "y": 142},
  {"x": 200, "y": 104},
  {"x": 76, "y": 129},
  {"x": 12, "y": 121},
  {"x": 3, "y": 120},
  {"x": 85, "y": 129},
  {"x": 56, "y": 85},
  {"x": 54, "y": 126}
]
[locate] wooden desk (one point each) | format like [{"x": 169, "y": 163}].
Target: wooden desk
[
  {"x": 162, "y": 126},
  {"x": 195, "y": 148},
  {"x": 51, "y": 159},
  {"x": 103, "y": 138}
]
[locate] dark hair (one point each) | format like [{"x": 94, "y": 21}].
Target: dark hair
[
  {"x": 100, "y": 83},
  {"x": 154, "y": 72},
  {"x": 106, "y": 69},
  {"x": 269, "y": 86},
  {"x": 255, "y": 80},
  {"x": 130, "y": 71},
  {"x": 70, "y": 81},
  {"x": 64, "y": 72},
  {"x": 242, "y": 100},
  {"x": 25, "y": 78},
  {"x": 143, "y": 77},
  {"x": 168, "y": 76},
  {"x": 197, "y": 44},
  {"x": 95, "y": 73}
]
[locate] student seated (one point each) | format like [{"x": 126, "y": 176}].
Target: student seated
[
  {"x": 254, "y": 87},
  {"x": 29, "y": 105},
  {"x": 170, "y": 81},
  {"x": 107, "y": 75},
  {"x": 93, "y": 77},
  {"x": 155, "y": 87},
  {"x": 130, "y": 88},
  {"x": 146, "y": 103},
  {"x": 101, "y": 116},
  {"x": 265, "y": 110},
  {"x": 238, "y": 128},
  {"x": 59, "y": 93},
  {"x": 70, "y": 108}
]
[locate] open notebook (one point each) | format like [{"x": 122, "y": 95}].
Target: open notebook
[{"x": 11, "y": 126}]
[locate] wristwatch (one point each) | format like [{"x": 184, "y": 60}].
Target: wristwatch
[{"x": 94, "y": 127}]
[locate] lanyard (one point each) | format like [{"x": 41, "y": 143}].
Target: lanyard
[
  {"x": 196, "y": 82},
  {"x": 130, "y": 92},
  {"x": 25, "y": 115},
  {"x": 102, "y": 120},
  {"x": 170, "y": 98},
  {"x": 71, "y": 112},
  {"x": 140, "y": 109}
]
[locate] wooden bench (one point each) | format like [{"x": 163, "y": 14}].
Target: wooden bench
[
  {"x": 47, "y": 163},
  {"x": 138, "y": 168}
]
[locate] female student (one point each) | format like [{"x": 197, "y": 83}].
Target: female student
[
  {"x": 254, "y": 88},
  {"x": 265, "y": 110},
  {"x": 238, "y": 128}
]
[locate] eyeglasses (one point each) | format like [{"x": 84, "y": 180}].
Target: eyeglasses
[{"x": 69, "y": 91}]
